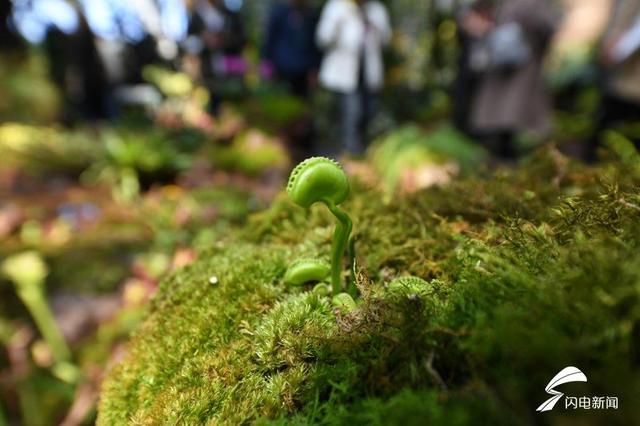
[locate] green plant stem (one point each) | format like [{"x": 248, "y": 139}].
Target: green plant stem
[
  {"x": 47, "y": 325},
  {"x": 6, "y": 331},
  {"x": 352, "y": 288},
  {"x": 3, "y": 418},
  {"x": 340, "y": 243}
]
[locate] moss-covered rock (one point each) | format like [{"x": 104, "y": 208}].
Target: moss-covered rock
[{"x": 526, "y": 272}]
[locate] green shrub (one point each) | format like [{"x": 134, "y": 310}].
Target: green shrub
[{"x": 409, "y": 148}]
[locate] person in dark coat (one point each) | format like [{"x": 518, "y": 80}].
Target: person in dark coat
[
  {"x": 517, "y": 100},
  {"x": 218, "y": 38},
  {"x": 290, "y": 44},
  {"x": 78, "y": 70},
  {"x": 620, "y": 57},
  {"x": 10, "y": 41},
  {"x": 473, "y": 23}
]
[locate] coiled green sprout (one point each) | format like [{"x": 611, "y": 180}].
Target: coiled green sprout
[{"x": 320, "y": 180}]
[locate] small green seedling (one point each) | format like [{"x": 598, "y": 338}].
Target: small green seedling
[
  {"x": 344, "y": 303},
  {"x": 320, "y": 180},
  {"x": 410, "y": 286},
  {"x": 322, "y": 290},
  {"x": 305, "y": 271}
]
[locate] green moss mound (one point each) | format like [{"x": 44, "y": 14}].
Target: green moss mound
[{"x": 525, "y": 272}]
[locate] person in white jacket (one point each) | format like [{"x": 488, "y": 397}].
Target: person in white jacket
[{"x": 352, "y": 34}]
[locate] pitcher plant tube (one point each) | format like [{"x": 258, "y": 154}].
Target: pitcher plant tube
[{"x": 28, "y": 272}]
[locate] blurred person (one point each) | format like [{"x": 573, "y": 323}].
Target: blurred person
[
  {"x": 78, "y": 70},
  {"x": 290, "y": 45},
  {"x": 74, "y": 62},
  {"x": 290, "y": 55},
  {"x": 126, "y": 35},
  {"x": 216, "y": 35},
  {"x": 9, "y": 39},
  {"x": 151, "y": 46},
  {"x": 352, "y": 34},
  {"x": 512, "y": 96},
  {"x": 96, "y": 91},
  {"x": 474, "y": 22},
  {"x": 620, "y": 58}
]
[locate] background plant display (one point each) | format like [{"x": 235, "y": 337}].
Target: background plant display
[{"x": 105, "y": 212}]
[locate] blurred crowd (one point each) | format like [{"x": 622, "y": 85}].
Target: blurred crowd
[
  {"x": 97, "y": 51},
  {"x": 501, "y": 90}
]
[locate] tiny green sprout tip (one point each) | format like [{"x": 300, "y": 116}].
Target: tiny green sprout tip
[
  {"x": 316, "y": 180},
  {"x": 304, "y": 271},
  {"x": 322, "y": 290},
  {"x": 409, "y": 286},
  {"x": 321, "y": 180},
  {"x": 344, "y": 303}
]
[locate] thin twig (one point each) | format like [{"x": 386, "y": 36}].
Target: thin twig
[
  {"x": 433, "y": 372},
  {"x": 628, "y": 204}
]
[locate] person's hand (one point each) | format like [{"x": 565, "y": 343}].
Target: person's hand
[
  {"x": 212, "y": 40},
  {"x": 607, "y": 51},
  {"x": 476, "y": 24}
]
